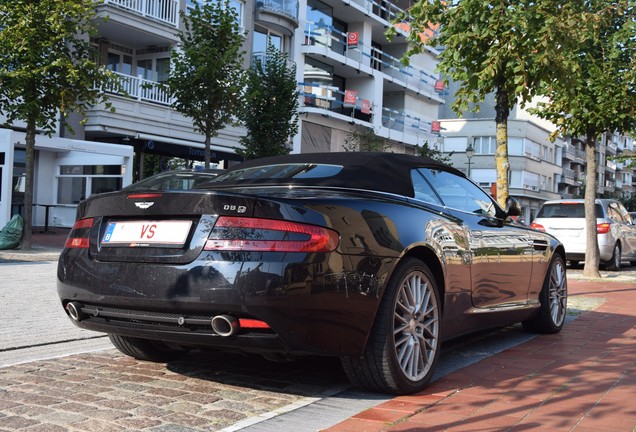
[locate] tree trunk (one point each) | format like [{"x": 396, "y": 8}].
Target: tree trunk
[
  {"x": 502, "y": 109},
  {"x": 28, "y": 185},
  {"x": 206, "y": 152},
  {"x": 592, "y": 258}
]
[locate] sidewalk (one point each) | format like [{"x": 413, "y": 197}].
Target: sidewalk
[
  {"x": 582, "y": 379},
  {"x": 46, "y": 246}
]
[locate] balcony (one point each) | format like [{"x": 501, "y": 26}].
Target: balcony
[
  {"x": 407, "y": 123},
  {"x": 166, "y": 11},
  {"x": 569, "y": 177},
  {"x": 329, "y": 102},
  {"x": 569, "y": 153},
  {"x": 141, "y": 89},
  {"x": 278, "y": 15},
  {"x": 329, "y": 45},
  {"x": 376, "y": 13},
  {"x": 138, "y": 23}
]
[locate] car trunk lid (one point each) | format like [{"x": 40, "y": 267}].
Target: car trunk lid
[{"x": 164, "y": 227}]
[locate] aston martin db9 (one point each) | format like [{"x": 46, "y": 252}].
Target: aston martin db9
[{"x": 375, "y": 258}]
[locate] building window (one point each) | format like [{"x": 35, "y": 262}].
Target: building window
[
  {"x": 77, "y": 182},
  {"x": 263, "y": 37},
  {"x": 515, "y": 146},
  {"x": 119, "y": 62},
  {"x": 485, "y": 145},
  {"x": 323, "y": 88},
  {"x": 324, "y": 29}
]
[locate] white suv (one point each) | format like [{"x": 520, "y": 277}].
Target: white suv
[{"x": 565, "y": 220}]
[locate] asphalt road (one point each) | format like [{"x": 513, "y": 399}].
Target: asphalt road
[{"x": 37, "y": 339}]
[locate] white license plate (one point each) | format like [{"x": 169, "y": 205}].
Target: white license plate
[{"x": 146, "y": 233}]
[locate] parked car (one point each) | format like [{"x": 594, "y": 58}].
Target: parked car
[
  {"x": 175, "y": 180},
  {"x": 633, "y": 216},
  {"x": 565, "y": 219},
  {"x": 375, "y": 258}
]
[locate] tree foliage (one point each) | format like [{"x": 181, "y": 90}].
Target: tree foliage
[
  {"x": 603, "y": 97},
  {"x": 270, "y": 107},
  {"x": 364, "y": 139},
  {"x": 47, "y": 67},
  {"x": 425, "y": 150},
  {"x": 512, "y": 48},
  {"x": 207, "y": 74}
]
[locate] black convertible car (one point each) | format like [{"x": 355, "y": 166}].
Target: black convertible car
[{"x": 372, "y": 257}]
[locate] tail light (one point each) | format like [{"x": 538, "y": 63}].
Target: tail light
[
  {"x": 260, "y": 235},
  {"x": 537, "y": 227},
  {"x": 78, "y": 237},
  {"x": 603, "y": 228}
]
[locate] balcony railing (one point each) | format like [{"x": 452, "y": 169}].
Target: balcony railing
[
  {"x": 331, "y": 98},
  {"x": 321, "y": 34},
  {"x": 405, "y": 122},
  {"x": 142, "y": 89},
  {"x": 285, "y": 7},
  {"x": 384, "y": 10},
  {"x": 166, "y": 11}
]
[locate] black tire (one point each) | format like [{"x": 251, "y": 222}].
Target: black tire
[
  {"x": 145, "y": 349},
  {"x": 404, "y": 345},
  {"x": 614, "y": 263},
  {"x": 553, "y": 299}
]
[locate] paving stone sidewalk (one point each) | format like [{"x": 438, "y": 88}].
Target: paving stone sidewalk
[{"x": 582, "y": 379}]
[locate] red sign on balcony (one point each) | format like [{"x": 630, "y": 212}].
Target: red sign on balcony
[
  {"x": 366, "y": 106},
  {"x": 350, "y": 97},
  {"x": 439, "y": 86},
  {"x": 436, "y": 126},
  {"x": 352, "y": 39}
]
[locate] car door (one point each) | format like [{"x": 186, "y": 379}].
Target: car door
[
  {"x": 500, "y": 251},
  {"x": 620, "y": 216}
]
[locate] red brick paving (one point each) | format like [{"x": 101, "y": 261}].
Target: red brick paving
[{"x": 582, "y": 379}]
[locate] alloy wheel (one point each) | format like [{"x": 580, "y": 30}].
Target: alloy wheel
[{"x": 416, "y": 325}]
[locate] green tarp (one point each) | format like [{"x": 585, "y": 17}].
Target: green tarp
[{"x": 11, "y": 234}]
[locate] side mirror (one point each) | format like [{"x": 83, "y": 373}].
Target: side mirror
[{"x": 512, "y": 207}]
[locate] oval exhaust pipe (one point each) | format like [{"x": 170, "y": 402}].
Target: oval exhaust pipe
[
  {"x": 225, "y": 325},
  {"x": 74, "y": 310}
]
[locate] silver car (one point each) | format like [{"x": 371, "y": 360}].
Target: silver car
[{"x": 565, "y": 220}]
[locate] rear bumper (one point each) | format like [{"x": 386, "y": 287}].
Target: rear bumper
[{"x": 309, "y": 309}]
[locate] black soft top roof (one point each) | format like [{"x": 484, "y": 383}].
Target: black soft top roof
[{"x": 378, "y": 171}]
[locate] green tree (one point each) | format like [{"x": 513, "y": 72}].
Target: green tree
[
  {"x": 207, "y": 74},
  {"x": 270, "y": 108},
  {"x": 508, "y": 47},
  {"x": 604, "y": 97},
  {"x": 427, "y": 151},
  {"x": 47, "y": 68},
  {"x": 364, "y": 139}
]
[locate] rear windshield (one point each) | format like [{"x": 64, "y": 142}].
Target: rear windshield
[
  {"x": 280, "y": 172},
  {"x": 567, "y": 210},
  {"x": 171, "y": 181}
]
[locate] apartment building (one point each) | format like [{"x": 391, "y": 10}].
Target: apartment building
[
  {"x": 614, "y": 178},
  {"x": 349, "y": 75}
]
